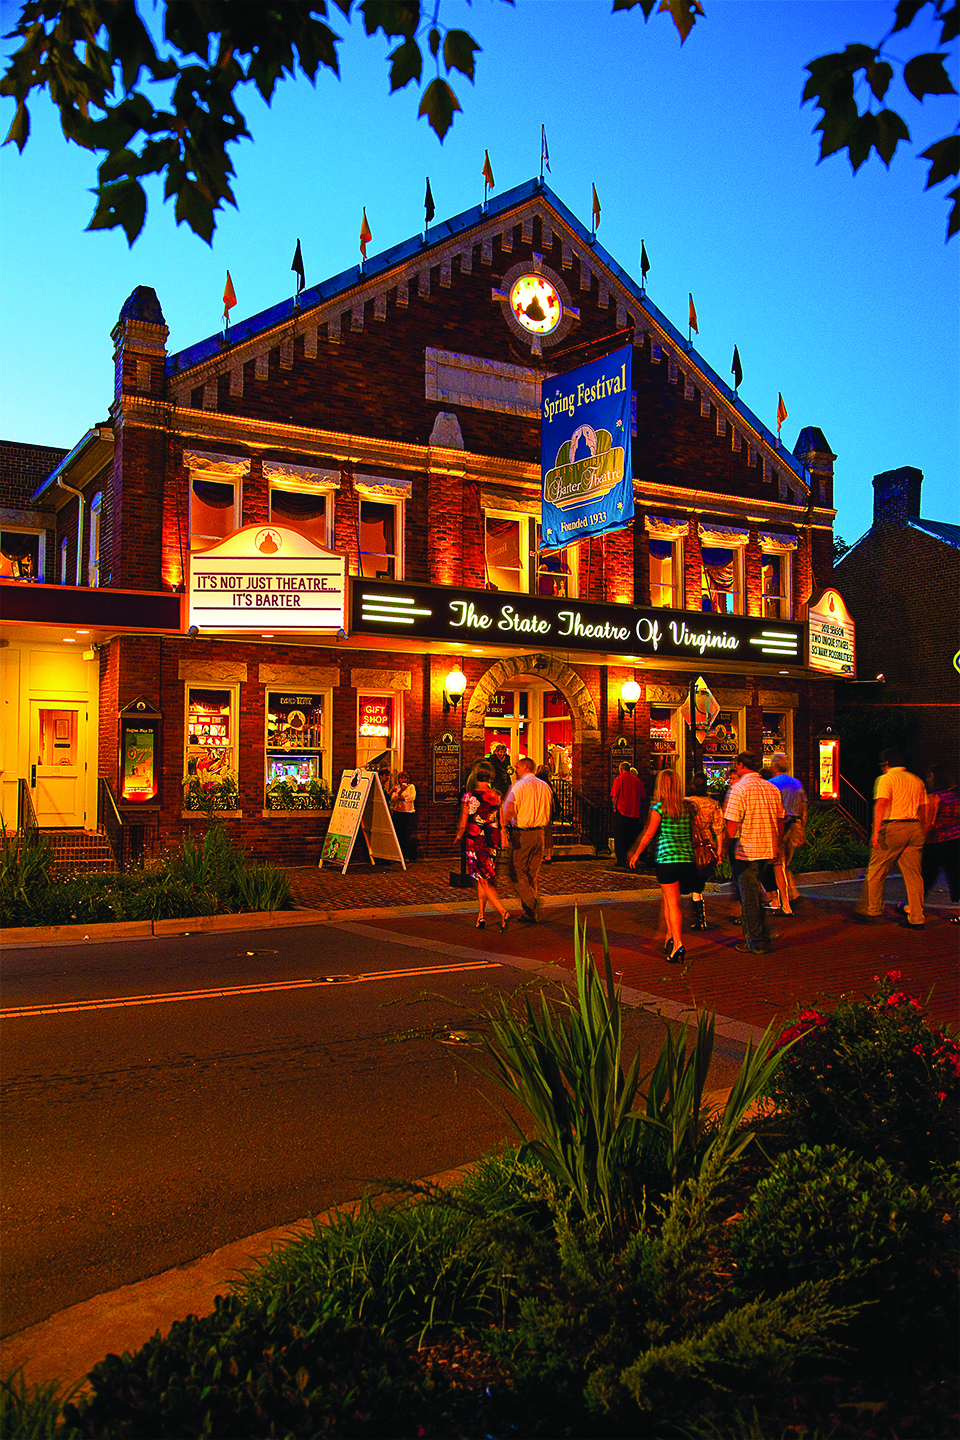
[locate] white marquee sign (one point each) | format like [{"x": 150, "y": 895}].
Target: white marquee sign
[
  {"x": 267, "y": 577},
  {"x": 831, "y": 636}
]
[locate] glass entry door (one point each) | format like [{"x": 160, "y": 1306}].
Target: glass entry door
[{"x": 57, "y": 754}]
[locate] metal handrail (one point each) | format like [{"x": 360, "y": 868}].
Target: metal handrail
[
  {"x": 28, "y": 827},
  {"x": 593, "y": 823},
  {"x": 109, "y": 819},
  {"x": 854, "y": 806}
]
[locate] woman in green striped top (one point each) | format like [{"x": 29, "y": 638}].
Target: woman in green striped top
[{"x": 670, "y": 821}]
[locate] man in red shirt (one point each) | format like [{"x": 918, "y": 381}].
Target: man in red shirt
[{"x": 628, "y": 796}]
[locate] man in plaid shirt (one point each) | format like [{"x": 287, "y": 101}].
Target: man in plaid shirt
[{"x": 754, "y": 816}]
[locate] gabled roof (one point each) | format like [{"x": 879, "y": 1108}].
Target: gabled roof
[
  {"x": 938, "y": 528},
  {"x": 415, "y": 255}
]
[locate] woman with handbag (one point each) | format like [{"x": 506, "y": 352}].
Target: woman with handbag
[
  {"x": 709, "y": 836},
  {"x": 671, "y": 821}
]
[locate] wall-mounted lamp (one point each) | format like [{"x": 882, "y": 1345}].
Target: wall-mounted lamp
[
  {"x": 629, "y": 695},
  {"x": 454, "y": 686}
]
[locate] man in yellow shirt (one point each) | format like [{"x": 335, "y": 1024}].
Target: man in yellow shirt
[{"x": 899, "y": 805}]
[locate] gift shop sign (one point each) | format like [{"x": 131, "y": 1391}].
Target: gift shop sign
[
  {"x": 266, "y": 577},
  {"x": 435, "y": 613},
  {"x": 831, "y": 637}
]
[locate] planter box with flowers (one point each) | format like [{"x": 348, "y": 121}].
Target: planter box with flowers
[
  {"x": 285, "y": 795},
  {"x": 214, "y": 795}
]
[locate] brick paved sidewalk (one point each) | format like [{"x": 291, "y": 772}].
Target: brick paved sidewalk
[{"x": 427, "y": 883}]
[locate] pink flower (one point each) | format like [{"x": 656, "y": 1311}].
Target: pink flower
[
  {"x": 899, "y": 998},
  {"x": 893, "y": 975}
]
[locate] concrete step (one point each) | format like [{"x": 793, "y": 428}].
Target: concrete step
[{"x": 563, "y": 851}]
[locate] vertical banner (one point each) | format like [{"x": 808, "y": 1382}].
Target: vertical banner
[{"x": 587, "y": 476}]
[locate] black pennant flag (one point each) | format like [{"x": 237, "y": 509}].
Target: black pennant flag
[
  {"x": 644, "y": 262},
  {"x": 297, "y": 267},
  {"x": 736, "y": 369},
  {"x": 428, "y": 205}
]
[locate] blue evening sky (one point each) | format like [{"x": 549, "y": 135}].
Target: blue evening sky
[{"x": 838, "y": 288}]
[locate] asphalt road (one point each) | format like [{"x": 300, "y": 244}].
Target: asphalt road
[{"x": 143, "y": 1127}]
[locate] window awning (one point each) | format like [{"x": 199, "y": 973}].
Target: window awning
[
  {"x": 666, "y": 527},
  {"x": 723, "y": 537}
]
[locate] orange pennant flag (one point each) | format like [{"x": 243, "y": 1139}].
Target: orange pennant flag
[
  {"x": 229, "y": 298},
  {"x": 596, "y": 208},
  {"x": 366, "y": 234},
  {"x": 487, "y": 171},
  {"x": 781, "y": 410},
  {"x": 693, "y": 316}
]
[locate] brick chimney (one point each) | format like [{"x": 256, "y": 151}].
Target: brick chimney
[
  {"x": 140, "y": 340},
  {"x": 896, "y": 496}
]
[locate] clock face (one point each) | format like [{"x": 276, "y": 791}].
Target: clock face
[{"x": 536, "y": 304}]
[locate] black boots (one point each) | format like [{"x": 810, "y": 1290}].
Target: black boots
[{"x": 699, "y": 915}]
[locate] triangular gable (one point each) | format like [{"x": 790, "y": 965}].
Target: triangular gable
[{"x": 340, "y": 303}]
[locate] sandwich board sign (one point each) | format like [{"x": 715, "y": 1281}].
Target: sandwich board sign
[{"x": 360, "y": 805}]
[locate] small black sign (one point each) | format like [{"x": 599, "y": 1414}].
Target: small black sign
[{"x": 446, "y": 770}]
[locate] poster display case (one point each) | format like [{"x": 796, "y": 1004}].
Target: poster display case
[{"x": 663, "y": 739}]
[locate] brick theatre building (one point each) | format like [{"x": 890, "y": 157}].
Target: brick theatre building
[{"x": 261, "y": 568}]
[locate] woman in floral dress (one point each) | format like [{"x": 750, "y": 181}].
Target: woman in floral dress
[{"x": 480, "y": 823}]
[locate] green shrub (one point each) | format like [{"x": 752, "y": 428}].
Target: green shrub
[
  {"x": 32, "y": 1412},
  {"x": 562, "y": 1060},
  {"x": 245, "y": 1371},
  {"x": 873, "y": 1077},
  {"x": 830, "y": 843},
  {"x": 826, "y": 1214}
]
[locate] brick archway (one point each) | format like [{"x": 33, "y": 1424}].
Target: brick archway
[{"x": 544, "y": 667}]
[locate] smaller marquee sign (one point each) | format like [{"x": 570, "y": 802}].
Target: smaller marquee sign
[
  {"x": 831, "y": 637},
  {"x": 267, "y": 577}
]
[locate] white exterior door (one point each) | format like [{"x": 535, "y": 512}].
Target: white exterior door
[{"x": 58, "y": 747}]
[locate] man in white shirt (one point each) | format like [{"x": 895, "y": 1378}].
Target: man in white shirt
[
  {"x": 899, "y": 807},
  {"x": 754, "y": 816},
  {"x": 525, "y": 814}
]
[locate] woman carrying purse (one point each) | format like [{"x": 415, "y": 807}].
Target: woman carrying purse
[{"x": 708, "y": 844}]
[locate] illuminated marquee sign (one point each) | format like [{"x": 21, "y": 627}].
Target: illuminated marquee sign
[
  {"x": 440, "y": 613},
  {"x": 266, "y": 577},
  {"x": 831, "y": 638}
]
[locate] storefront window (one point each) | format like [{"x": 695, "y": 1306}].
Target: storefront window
[
  {"x": 309, "y": 511},
  {"x": 378, "y": 730},
  {"x": 295, "y": 750},
  {"x": 721, "y": 748},
  {"x": 557, "y": 734},
  {"x": 663, "y": 739},
  {"x": 209, "y": 770},
  {"x": 665, "y": 574},
  {"x": 380, "y": 529},
  {"x": 777, "y": 734},
  {"x": 721, "y": 585},
  {"x": 775, "y": 572},
  {"x": 506, "y": 723},
  {"x": 213, "y": 512},
  {"x": 556, "y": 569}
]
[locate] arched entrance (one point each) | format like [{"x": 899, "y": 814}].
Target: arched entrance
[{"x": 546, "y": 672}]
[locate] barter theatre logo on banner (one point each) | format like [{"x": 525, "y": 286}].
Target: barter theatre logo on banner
[{"x": 587, "y": 475}]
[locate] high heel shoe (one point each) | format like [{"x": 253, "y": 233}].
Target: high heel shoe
[
  {"x": 667, "y": 947},
  {"x": 678, "y": 956},
  {"x": 504, "y": 923},
  {"x": 481, "y": 924}
]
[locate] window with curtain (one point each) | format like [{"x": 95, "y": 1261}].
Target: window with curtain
[
  {"x": 93, "y": 568},
  {"x": 775, "y": 573},
  {"x": 20, "y": 555},
  {"x": 305, "y": 510},
  {"x": 665, "y": 574},
  {"x": 505, "y": 539},
  {"x": 379, "y": 537},
  {"x": 720, "y": 587},
  {"x": 213, "y": 512},
  {"x": 556, "y": 569}
]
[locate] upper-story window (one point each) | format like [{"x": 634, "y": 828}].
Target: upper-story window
[
  {"x": 381, "y": 531},
  {"x": 721, "y": 573},
  {"x": 214, "y": 511},
  {"x": 515, "y": 562},
  {"x": 309, "y": 511},
  {"x": 21, "y": 554},
  {"x": 93, "y": 567},
  {"x": 666, "y": 561},
  {"x": 776, "y": 574}
]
